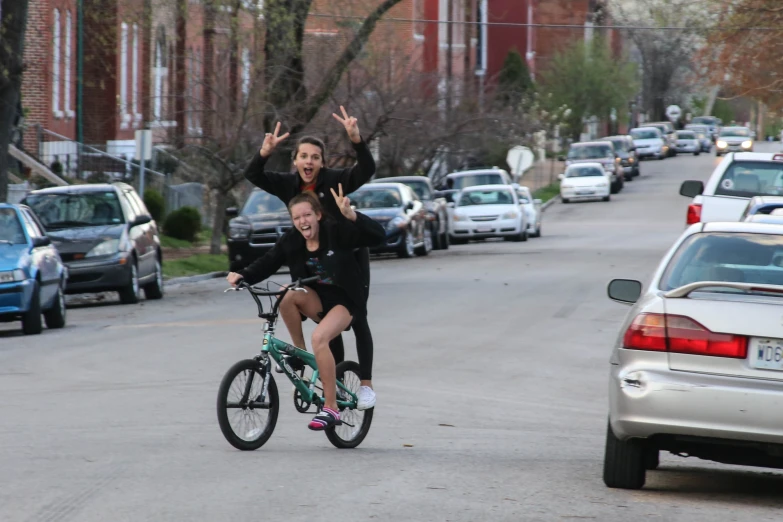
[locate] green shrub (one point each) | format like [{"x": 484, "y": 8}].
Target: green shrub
[
  {"x": 183, "y": 223},
  {"x": 154, "y": 202}
]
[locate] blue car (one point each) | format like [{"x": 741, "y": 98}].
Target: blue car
[{"x": 32, "y": 275}]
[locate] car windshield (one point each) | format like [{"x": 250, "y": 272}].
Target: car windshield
[
  {"x": 685, "y": 135},
  {"x": 752, "y": 178},
  {"x": 420, "y": 188},
  {"x": 620, "y": 145},
  {"x": 735, "y": 133},
  {"x": 697, "y": 128},
  {"x": 590, "y": 152},
  {"x": 722, "y": 256},
  {"x": 644, "y": 134},
  {"x": 11, "y": 228},
  {"x": 583, "y": 172},
  {"x": 705, "y": 119},
  {"x": 261, "y": 202},
  {"x": 486, "y": 197},
  {"x": 471, "y": 180},
  {"x": 376, "y": 198},
  {"x": 87, "y": 209}
]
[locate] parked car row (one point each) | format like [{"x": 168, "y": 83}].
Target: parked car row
[
  {"x": 698, "y": 363},
  {"x": 75, "y": 239}
]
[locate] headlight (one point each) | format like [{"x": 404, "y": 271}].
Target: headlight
[
  {"x": 747, "y": 144},
  {"x": 238, "y": 232},
  {"x": 722, "y": 144},
  {"x": 511, "y": 214},
  {"x": 602, "y": 185},
  {"x": 566, "y": 186},
  {"x": 12, "y": 275},
  {"x": 631, "y": 160},
  {"x": 398, "y": 222},
  {"x": 112, "y": 246}
]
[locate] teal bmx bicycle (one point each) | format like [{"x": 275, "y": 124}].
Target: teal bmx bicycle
[{"x": 248, "y": 401}]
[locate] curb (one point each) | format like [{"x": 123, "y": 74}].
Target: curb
[
  {"x": 550, "y": 202},
  {"x": 194, "y": 279}
]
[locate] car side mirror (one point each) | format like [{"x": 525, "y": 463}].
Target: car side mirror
[
  {"x": 626, "y": 291},
  {"x": 232, "y": 212},
  {"x": 41, "y": 241},
  {"x": 561, "y": 177},
  {"x": 691, "y": 188},
  {"x": 140, "y": 220},
  {"x": 409, "y": 206},
  {"x": 561, "y": 158},
  {"x": 451, "y": 204}
]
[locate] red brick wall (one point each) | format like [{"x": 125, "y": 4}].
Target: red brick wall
[
  {"x": 503, "y": 39},
  {"x": 100, "y": 89},
  {"x": 37, "y": 82}
]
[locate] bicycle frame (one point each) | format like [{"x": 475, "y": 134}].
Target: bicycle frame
[{"x": 276, "y": 349}]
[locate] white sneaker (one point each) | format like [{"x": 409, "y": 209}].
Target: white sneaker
[{"x": 366, "y": 398}]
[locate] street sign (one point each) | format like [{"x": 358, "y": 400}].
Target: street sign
[
  {"x": 673, "y": 112},
  {"x": 519, "y": 159},
  {"x": 143, "y": 145}
]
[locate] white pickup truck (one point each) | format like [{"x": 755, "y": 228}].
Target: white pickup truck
[{"x": 739, "y": 177}]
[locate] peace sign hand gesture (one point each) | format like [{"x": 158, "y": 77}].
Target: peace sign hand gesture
[
  {"x": 343, "y": 203},
  {"x": 351, "y": 125},
  {"x": 271, "y": 141}
]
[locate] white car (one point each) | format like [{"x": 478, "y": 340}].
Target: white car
[
  {"x": 584, "y": 181},
  {"x": 649, "y": 143},
  {"x": 688, "y": 141},
  {"x": 735, "y": 180},
  {"x": 486, "y": 211},
  {"x": 733, "y": 139},
  {"x": 697, "y": 368},
  {"x": 532, "y": 208}
]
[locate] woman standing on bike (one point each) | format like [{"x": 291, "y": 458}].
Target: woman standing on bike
[
  {"x": 308, "y": 158},
  {"x": 323, "y": 247}
]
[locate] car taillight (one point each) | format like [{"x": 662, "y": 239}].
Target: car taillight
[
  {"x": 646, "y": 332},
  {"x": 694, "y": 213},
  {"x": 680, "y": 334}
]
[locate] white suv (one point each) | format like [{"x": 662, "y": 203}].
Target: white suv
[{"x": 739, "y": 177}]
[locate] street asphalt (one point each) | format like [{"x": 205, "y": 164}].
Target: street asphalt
[{"x": 491, "y": 367}]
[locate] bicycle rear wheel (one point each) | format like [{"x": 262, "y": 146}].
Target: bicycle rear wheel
[
  {"x": 356, "y": 424},
  {"x": 245, "y": 422}
]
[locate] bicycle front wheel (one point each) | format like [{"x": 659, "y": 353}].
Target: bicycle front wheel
[
  {"x": 245, "y": 419},
  {"x": 356, "y": 424}
]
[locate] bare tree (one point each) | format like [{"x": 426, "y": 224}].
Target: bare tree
[{"x": 12, "y": 30}]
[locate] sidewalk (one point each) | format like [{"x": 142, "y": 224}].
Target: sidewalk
[{"x": 541, "y": 174}]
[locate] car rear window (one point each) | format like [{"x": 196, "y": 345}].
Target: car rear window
[
  {"x": 686, "y": 135},
  {"x": 486, "y": 197},
  {"x": 751, "y": 178},
  {"x": 733, "y": 257},
  {"x": 644, "y": 134},
  {"x": 471, "y": 180},
  {"x": 583, "y": 172}
]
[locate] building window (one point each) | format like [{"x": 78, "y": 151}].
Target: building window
[
  {"x": 68, "y": 112},
  {"x": 124, "y": 76},
  {"x": 245, "y": 74},
  {"x": 135, "y": 77},
  {"x": 56, "y": 65},
  {"x": 161, "y": 72}
]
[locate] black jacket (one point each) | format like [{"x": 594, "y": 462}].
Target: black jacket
[
  {"x": 286, "y": 185},
  {"x": 341, "y": 237}
]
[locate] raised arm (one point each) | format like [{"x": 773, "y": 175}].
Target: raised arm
[
  {"x": 256, "y": 174},
  {"x": 356, "y": 230},
  {"x": 354, "y": 177}
]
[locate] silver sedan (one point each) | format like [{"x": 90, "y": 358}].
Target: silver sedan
[{"x": 697, "y": 368}]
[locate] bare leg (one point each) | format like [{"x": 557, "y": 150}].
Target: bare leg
[
  {"x": 330, "y": 327},
  {"x": 292, "y": 305}
]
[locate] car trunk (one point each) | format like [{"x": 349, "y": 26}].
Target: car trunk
[{"x": 758, "y": 317}]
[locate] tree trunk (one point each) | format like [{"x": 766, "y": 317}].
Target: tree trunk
[
  {"x": 217, "y": 223},
  {"x": 12, "y": 30}
]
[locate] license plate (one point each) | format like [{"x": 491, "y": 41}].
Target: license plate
[
  {"x": 585, "y": 192},
  {"x": 766, "y": 354},
  {"x": 484, "y": 229}
]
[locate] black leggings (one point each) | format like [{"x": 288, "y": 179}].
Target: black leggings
[{"x": 361, "y": 328}]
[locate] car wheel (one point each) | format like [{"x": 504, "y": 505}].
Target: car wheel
[
  {"x": 154, "y": 290},
  {"x": 406, "y": 248},
  {"x": 628, "y": 178},
  {"x": 55, "y": 316},
  {"x": 696, "y": 153},
  {"x": 717, "y": 153},
  {"x": 458, "y": 241},
  {"x": 624, "y": 462},
  {"x": 31, "y": 320},
  {"x": 564, "y": 200},
  {"x": 652, "y": 458},
  {"x": 129, "y": 294},
  {"x": 436, "y": 238},
  {"x": 426, "y": 248},
  {"x": 607, "y": 198},
  {"x": 538, "y": 230}
]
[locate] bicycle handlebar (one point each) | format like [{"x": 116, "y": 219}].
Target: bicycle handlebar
[{"x": 242, "y": 285}]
